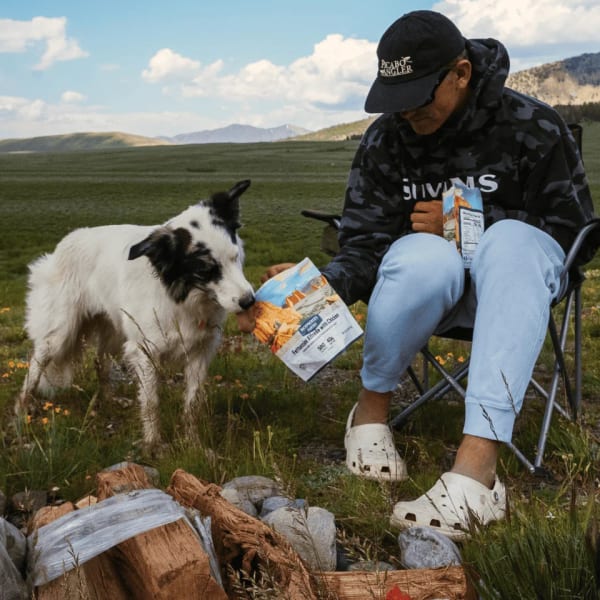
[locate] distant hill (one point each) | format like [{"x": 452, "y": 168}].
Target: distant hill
[
  {"x": 77, "y": 141},
  {"x": 336, "y": 133},
  {"x": 95, "y": 141},
  {"x": 572, "y": 85},
  {"x": 573, "y": 80},
  {"x": 238, "y": 134}
]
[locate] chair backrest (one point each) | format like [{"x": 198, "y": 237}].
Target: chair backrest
[{"x": 577, "y": 132}]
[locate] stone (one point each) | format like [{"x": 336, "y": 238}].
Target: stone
[
  {"x": 233, "y": 496},
  {"x": 254, "y": 488},
  {"x": 373, "y": 566},
  {"x": 310, "y": 532},
  {"x": 273, "y": 503},
  {"x": 426, "y": 548}
]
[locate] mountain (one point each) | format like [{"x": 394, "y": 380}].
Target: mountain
[
  {"x": 77, "y": 141},
  {"x": 239, "y": 134},
  {"x": 573, "y": 80},
  {"x": 336, "y": 133}
]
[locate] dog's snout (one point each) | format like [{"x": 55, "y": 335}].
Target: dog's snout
[{"x": 246, "y": 301}]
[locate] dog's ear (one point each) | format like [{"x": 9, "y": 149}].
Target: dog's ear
[
  {"x": 162, "y": 246},
  {"x": 225, "y": 206},
  {"x": 238, "y": 189},
  {"x": 166, "y": 250}
]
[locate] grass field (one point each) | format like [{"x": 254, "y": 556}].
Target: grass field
[{"x": 262, "y": 419}]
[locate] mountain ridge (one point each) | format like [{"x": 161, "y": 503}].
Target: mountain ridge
[{"x": 571, "y": 82}]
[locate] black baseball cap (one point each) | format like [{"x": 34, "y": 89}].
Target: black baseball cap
[{"x": 411, "y": 55}]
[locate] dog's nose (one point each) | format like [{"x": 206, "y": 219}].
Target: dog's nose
[{"x": 246, "y": 301}]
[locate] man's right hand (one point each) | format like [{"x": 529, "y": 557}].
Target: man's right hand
[
  {"x": 247, "y": 318},
  {"x": 275, "y": 270}
]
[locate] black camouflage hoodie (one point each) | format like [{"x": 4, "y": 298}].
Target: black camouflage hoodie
[{"x": 516, "y": 149}]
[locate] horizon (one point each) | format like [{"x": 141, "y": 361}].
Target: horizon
[{"x": 143, "y": 70}]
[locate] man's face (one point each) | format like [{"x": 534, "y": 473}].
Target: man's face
[{"x": 450, "y": 96}]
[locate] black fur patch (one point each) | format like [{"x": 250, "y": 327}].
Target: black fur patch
[
  {"x": 224, "y": 211},
  {"x": 179, "y": 265},
  {"x": 195, "y": 224}
]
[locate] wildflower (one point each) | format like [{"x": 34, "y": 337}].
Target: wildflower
[
  {"x": 57, "y": 410},
  {"x": 66, "y": 412},
  {"x": 47, "y": 405},
  {"x": 11, "y": 364},
  {"x": 44, "y": 420},
  {"x": 244, "y": 396},
  {"x": 4, "y": 309},
  {"x": 5, "y": 375},
  {"x": 218, "y": 377},
  {"x": 441, "y": 360},
  {"x": 29, "y": 417},
  {"x": 461, "y": 359}
]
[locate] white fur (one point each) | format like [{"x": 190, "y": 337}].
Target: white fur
[{"x": 89, "y": 290}]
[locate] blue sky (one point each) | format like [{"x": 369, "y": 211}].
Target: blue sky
[{"x": 162, "y": 68}]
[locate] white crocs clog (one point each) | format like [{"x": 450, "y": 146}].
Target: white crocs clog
[
  {"x": 371, "y": 452},
  {"x": 451, "y": 504}
]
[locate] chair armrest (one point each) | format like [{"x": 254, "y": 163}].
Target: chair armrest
[
  {"x": 329, "y": 218},
  {"x": 584, "y": 233}
]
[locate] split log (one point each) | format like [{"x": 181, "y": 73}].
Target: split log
[
  {"x": 419, "y": 584},
  {"x": 72, "y": 585},
  {"x": 245, "y": 543},
  {"x": 165, "y": 562}
]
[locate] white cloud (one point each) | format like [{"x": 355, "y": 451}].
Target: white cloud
[
  {"x": 528, "y": 23},
  {"x": 338, "y": 71},
  {"x": 20, "y": 36},
  {"x": 71, "y": 97},
  {"x": 167, "y": 65}
]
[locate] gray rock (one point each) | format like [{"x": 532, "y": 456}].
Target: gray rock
[
  {"x": 371, "y": 566},
  {"x": 273, "y": 503},
  {"x": 12, "y": 557},
  {"x": 233, "y": 496},
  {"x": 426, "y": 548},
  {"x": 310, "y": 532},
  {"x": 254, "y": 488},
  {"x": 29, "y": 501},
  {"x": 15, "y": 543}
]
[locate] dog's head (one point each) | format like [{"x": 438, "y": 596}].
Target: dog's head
[{"x": 199, "y": 249}]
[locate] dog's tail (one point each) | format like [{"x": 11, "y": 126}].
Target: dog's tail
[{"x": 53, "y": 323}]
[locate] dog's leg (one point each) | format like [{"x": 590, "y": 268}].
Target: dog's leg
[
  {"x": 195, "y": 399},
  {"x": 37, "y": 364},
  {"x": 145, "y": 373}
]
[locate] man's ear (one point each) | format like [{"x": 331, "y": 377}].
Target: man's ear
[{"x": 463, "y": 70}]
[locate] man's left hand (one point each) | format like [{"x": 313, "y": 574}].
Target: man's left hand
[{"x": 427, "y": 217}]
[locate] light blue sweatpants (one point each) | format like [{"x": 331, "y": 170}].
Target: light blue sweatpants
[{"x": 420, "y": 290}]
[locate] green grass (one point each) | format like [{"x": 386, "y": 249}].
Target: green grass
[{"x": 262, "y": 419}]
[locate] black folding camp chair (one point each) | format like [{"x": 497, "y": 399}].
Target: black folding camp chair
[{"x": 569, "y": 324}]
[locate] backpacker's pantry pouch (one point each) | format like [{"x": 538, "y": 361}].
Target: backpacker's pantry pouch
[
  {"x": 463, "y": 219},
  {"x": 303, "y": 320}
]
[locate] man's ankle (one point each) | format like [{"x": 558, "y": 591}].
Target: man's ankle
[{"x": 372, "y": 407}]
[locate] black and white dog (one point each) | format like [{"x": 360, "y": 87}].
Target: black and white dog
[{"x": 151, "y": 293}]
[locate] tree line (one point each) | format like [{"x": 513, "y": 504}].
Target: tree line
[{"x": 574, "y": 113}]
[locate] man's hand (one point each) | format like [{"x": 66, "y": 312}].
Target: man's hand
[
  {"x": 427, "y": 217},
  {"x": 247, "y": 318},
  {"x": 274, "y": 270}
]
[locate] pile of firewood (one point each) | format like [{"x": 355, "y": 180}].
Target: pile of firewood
[{"x": 174, "y": 560}]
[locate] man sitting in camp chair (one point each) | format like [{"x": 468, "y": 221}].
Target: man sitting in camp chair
[{"x": 447, "y": 119}]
